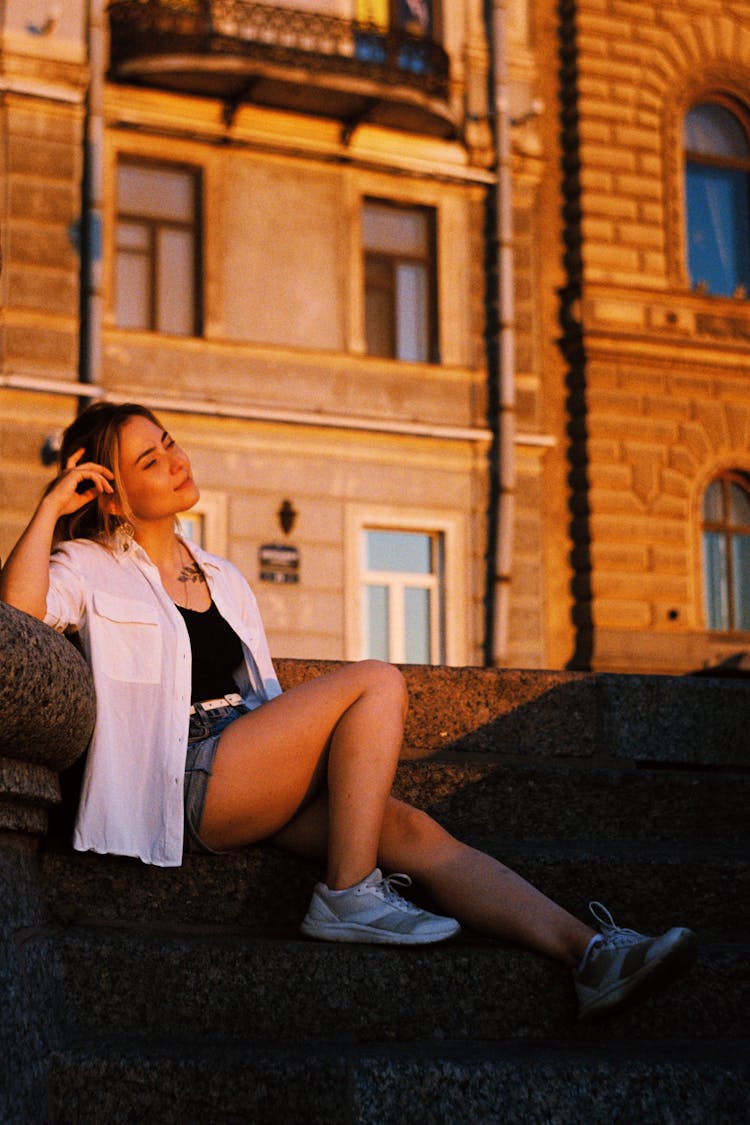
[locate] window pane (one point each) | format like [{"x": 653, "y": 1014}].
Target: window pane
[
  {"x": 741, "y": 570},
  {"x": 372, "y": 11},
  {"x": 192, "y": 527},
  {"x": 378, "y": 631},
  {"x": 739, "y": 506},
  {"x": 159, "y": 193},
  {"x": 380, "y": 328},
  {"x": 399, "y": 551},
  {"x": 175, "y": 282},
  {"x": 713, "y": 503},
  {"x": 412, "y": 303},
  {"x": 400, "y": 231},
  {"x": 133, "y": 291},
  {"x": 132, "y": 236},
  {"x": 715, "y": 578},
  {"x": 417, "y": 625},
  {"x": 415, "y": 16},
  {"x": 715, "y": 131},
  {"x": 718, "y": 232}
]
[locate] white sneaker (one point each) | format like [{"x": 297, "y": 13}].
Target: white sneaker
[
  {"x": 373, "y": 912},
  {"x": 625, "y": 965}
]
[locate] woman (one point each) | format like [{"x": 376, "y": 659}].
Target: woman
[{"x": 196, "y": 747}]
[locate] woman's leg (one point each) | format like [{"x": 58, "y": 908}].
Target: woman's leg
[
  {"x": 480, "y": 891},
  {"x": 344, "y": 729}
]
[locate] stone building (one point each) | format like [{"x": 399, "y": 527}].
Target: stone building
[
  {"x": 446, "y": 300},
  {"x": 649, "y": 297}
]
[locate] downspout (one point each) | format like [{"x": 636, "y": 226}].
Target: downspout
[
  {"x": 90, "y": 333},
  {"x": 505, "y": 423}
]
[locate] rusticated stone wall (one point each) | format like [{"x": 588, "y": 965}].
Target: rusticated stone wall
[{"x": 656, "y": 373}]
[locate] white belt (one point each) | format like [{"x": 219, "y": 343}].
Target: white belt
[{"x": 231, "y": 700}]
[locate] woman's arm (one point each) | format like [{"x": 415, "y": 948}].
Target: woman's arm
[{"x": 24, "y": 579}]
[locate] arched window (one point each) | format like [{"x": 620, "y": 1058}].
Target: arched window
[
  {"x": 726, "y": 552},
  {"x": 717, "y": 194}
]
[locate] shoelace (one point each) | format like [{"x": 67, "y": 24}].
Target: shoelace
[
  {"x": 387, "y": 888},
  {"x": 614, "y": 935}
]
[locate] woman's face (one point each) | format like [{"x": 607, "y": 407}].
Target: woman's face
[{"x": 155, "y": 472}]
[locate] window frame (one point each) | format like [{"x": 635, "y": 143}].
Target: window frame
[
  {"x": 397, "y": 582},
  {"x": 707, "y": 160},
  {"x": 452, "y": 603},
  {"x": 728, "y": 531},
  {"x": 153, "y": 226}
]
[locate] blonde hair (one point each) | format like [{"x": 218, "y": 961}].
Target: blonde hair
[{"x": 97, "y": 431}]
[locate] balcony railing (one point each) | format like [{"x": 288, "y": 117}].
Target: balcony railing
[{"x": 222, "y": 42}]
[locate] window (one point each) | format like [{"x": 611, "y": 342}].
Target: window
[
  {"x": 402, "y": 576},
  {"x": 726, "y": 552},
  {"x": 206, "y": 522},
  {"x": 405, "y": 590},
  {"x": 413, "y": 27},
  {"x": 417, "y": 17},
  {"x": 399, "y": 271},
  {"x": 717, "y": 193},
  {"x": 156, "y": 250}
]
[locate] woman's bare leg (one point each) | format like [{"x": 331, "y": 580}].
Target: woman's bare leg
[
  {"x": 342, "y": 733},
  {"x": 480, "y": 891},
  {"x": 343, "y": 729}
]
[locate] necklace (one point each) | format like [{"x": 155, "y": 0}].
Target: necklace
[{"x": 190, "y": 572}]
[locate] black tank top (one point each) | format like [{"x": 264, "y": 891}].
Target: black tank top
[{"x": 217, "y": 653}]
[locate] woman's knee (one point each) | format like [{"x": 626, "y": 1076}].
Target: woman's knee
[
  {"x": 414, "y": 830},
  {"x": 385, "y": 679}
]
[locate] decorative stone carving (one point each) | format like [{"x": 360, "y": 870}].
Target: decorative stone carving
[{"x": 48, "y": 709}]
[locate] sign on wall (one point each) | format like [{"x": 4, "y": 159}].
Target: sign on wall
[{"x": 279, "y": 563}]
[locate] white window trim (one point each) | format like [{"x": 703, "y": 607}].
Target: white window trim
[
  {"x": 212, "y": 506},
  {"x": 361, "y": 517}
]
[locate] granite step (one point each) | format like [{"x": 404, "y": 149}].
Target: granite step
[
  {"x": 187, "y": 995},
  {"x": 662, "y": 844},
  {"x": 214, "y": 986},
  {"x": 702, "y": 721},
  {"x": 267, "y": 892},
  {"x": 447, "y": 1084},
  {"x": 552, "y": 800}
]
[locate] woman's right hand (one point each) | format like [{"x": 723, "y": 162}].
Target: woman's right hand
[
  {"x": 24, "y": 580},
  {"x": 77, "y": 484}
]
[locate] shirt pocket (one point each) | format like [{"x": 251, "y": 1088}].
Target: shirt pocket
[{"x": 128, "y": 639}]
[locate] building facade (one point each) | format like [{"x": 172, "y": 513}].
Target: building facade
[
  {"x": 447, "y": 301},
  {"x": 647, "y": 306}
]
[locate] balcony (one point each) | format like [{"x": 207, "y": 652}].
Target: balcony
[{"x": 278, "y": 57}]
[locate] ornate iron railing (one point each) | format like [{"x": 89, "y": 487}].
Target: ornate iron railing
[{"x": 278, "y": 35}]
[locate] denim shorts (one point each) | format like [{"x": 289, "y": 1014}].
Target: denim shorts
[{"x": 203, "y": 738}]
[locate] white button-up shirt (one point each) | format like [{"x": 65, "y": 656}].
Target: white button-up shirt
[{"x": 137, "y": 645}]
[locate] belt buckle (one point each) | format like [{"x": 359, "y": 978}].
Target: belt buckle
[{"x": 230, "y": 700}]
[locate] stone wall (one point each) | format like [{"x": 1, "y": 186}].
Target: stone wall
[{"x": 656, "y": 372}]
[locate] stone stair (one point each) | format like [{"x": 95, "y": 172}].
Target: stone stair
[{"x": 187, "y": 995}]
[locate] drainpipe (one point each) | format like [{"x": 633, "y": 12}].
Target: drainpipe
[
  {"x": 506, "y": 394},
  {"x": 90, "y": 333}
]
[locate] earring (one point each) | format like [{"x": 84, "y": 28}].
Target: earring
[{"x": 126, "y": 528}]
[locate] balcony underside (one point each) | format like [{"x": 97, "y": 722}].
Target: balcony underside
[
  {"x": 236, "y": 82},
  {"x": 284, "y": 59}
]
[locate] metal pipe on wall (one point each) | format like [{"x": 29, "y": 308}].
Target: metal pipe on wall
[
  {"x": 92, "y": 195},
  {"x": 505, "y": 422}
]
